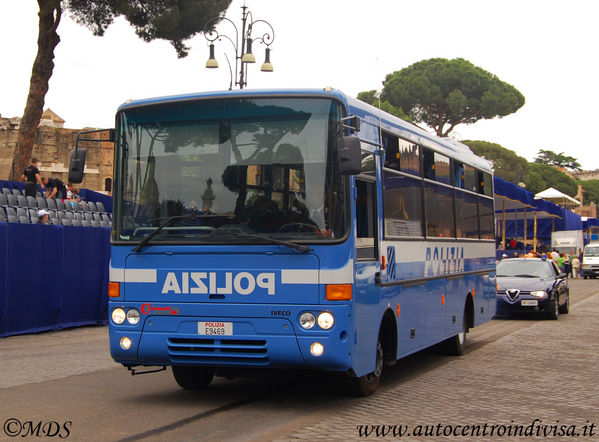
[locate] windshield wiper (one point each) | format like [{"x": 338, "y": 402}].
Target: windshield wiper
[
  {"x": 298, "y": 247},
  {"x": 166, "y": 222},
  {"x": 526, "y": 276}
]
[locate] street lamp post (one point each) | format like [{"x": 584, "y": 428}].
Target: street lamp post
[{"x": 242, "y": 45}]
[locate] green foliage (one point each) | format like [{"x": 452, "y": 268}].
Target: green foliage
[
  {"x": 372, "y": 97},
  {"x": 557, "y": 159},
  {"x": 443, "y": 93},
  {"x": 172, "y": 20},
  {"x": 542, "y": 176},
  {"x": 506, "y": 163},
  {"x": 591, "y": 191}
]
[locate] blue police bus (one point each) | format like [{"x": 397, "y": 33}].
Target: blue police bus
[{"x": 292, "y": 229}]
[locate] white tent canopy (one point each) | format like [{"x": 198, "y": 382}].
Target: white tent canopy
[{"x": 557, "y": 197}]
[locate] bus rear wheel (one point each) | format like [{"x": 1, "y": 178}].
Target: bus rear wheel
[
  {"x": 456, "y": 344},
  {"x": 368, "y": 384},
  {"x": 193, "y": 378}
]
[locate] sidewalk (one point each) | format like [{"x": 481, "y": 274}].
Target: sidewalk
[{"x": 39, "y": 357}]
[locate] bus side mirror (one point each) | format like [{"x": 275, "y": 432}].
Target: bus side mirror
[
  {"x": 76, "y": 165},
  {"x": 349, "y": 155}
]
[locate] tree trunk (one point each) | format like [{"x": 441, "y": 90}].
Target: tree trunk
[{"x": 48, "y": 39}]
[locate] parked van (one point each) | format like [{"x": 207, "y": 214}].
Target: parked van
[{"x": 590, "y": 261}]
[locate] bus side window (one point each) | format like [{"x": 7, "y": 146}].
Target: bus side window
[
  {"x": 366, "y": 219},
  {"x": 428, "y": 164}
]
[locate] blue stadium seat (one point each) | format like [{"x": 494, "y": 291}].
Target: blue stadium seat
[
  {"x": 100, "y": 207},
  {"x": 22, "y": 201},
  {"x": 3, "y": 200},
  {"x": 24, "y": 220},
  {"x": 76, "y": 222},
  {"x": 58, "y": 203},
  {"x": 12, "y": 200},
  {"x": 6, "y": 191},
  {"x": 21, "y": 211},
  {"x": 16, "y": 192},
  {"x": 66, "y": 222},
  {"x": 2, "y": 215},
  {"x": 86, "y": 223},
  {"x": 88, "y": 216},
  {"x": 12, "y": 219},
  {"x": 11, "y": 211},
  {"x": 31, "y": 202},
  {"x": 92, "y": 206}
]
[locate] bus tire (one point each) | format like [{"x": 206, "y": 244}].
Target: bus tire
[
  {"x": 368, "y": 384},
  {"x": 193, "y": 378},
  {"x": 456, "y": 345}
]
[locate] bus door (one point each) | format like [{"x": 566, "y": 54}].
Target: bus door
[{"x": 367, "y": 292}]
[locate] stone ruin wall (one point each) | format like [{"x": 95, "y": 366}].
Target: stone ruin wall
[{"x": 52, "y": 147}]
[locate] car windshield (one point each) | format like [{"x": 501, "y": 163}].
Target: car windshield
[
  {"x": 239, "y": 166},
  {"x": 591, "y": 251},
  {"x": 524, "y": 269}
]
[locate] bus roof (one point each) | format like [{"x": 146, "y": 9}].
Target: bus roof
[{"x": 370, "y": 114}]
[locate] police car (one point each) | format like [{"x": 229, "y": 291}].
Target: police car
[{"x": 531, "y": 285}]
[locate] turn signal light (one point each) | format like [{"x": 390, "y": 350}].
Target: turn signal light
[
  {"x": 114, "y": 290},
  {"x": 338, "y": 292}
]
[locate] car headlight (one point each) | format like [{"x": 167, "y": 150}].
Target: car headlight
[
  {"x": 539, "y": 293},
  {"x": 325, "y": 320},
  {"x": 133, "y": 316},
  {"x": 307, "y": 320},
  {"x": 118, "y": 316}
]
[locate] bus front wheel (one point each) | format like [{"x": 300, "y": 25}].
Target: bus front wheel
[
  {"x": 367, "y": 384},
  {"x": 193, "y": 378}
]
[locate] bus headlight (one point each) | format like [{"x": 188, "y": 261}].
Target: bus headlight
[
  {"x": 132, "y": 316},
  {"x": 325, "y": 320},
  {"x": 125, "y": 343},
  {"x": 118, "y": 316},
  {"x": 539, "y": 293},
  {"x": 316, "y": 349},
  {"x": 307, "y": 320}
]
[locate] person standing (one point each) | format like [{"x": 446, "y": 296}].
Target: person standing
[
  {"x": 59, "y": 190},
  {"x": 32, "y": 175},
  {"x": 576, "y": 267}
]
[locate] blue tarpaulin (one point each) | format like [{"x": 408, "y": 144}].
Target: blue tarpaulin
[{"x": 52, "y": 277}]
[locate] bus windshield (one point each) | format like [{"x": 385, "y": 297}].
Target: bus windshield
[{"x": 240, "y": 168}]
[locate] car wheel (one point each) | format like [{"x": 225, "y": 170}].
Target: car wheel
[
  {"x": 565, "y": 309},
  {"x": 455, "y": 345},
  {"x": 554, "y": 310},
  {"x": 193, "y": 378},
  {"x": 367, "y": 384}
]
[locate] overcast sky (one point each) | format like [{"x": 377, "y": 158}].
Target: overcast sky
[{"x": 546, "y": 49}]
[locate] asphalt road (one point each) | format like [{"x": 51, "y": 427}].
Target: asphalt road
[{"x": 69, "y": 376}]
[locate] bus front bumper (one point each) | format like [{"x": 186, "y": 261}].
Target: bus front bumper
[{"x": 275, "y": 341}]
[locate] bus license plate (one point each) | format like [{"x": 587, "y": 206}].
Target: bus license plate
[
  {"x": 215, "y": 328},
  {"x": 529, "y": 302}
]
